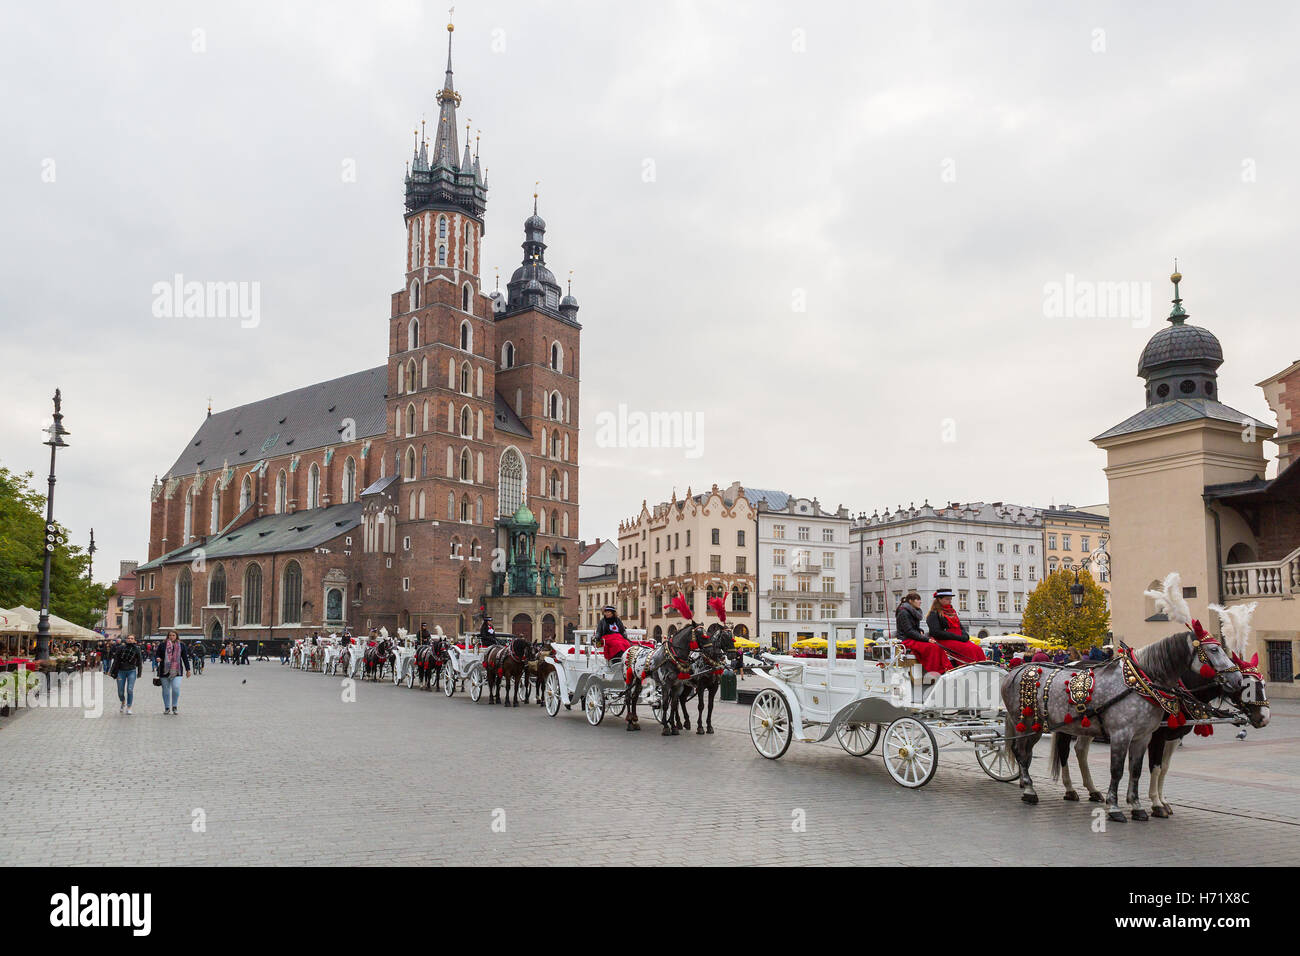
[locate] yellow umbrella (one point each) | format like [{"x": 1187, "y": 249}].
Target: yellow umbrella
[
  {"x": 810, "y": 644},
  {"x": 744, "y": 642}
]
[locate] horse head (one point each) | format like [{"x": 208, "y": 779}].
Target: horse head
[
  {"x": 521, "y": 649},
  {"x": 718, "y": 642},
  {"x": 1167, "y": 660},
  {"x": 1253, "y": 699}
]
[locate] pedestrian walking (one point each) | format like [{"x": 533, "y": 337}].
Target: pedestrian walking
[
  {"x": 243, "y": 654},
  {"x": 127, "y": 663},
  {"x": 172, "y": 662}
]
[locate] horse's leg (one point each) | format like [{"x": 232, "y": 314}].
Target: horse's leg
[
  {"x": 1137, "y": 751},
  {"x": 699, "y": 708},
  {"x": 1024, "y": 753},
  {"x": 1081, "y": 745},
  {"x": 713, "y": 692},
  {"x": 1159, "y": 806},
  {"x": 1061, "y": 763},
  {"x": 1119, "y": 745}
]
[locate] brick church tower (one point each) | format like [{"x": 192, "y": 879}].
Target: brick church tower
[{"x": 482, "y": 407}]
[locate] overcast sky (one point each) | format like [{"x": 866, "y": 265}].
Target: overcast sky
[{"x": 830, "y": 229}]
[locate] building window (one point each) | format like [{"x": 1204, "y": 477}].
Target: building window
[
  {"x": 217, "y": 586},
  {"x": 291, "y": 608},
  {"x": 253, "y": 594},
  {"x": 281, "y": 493},
  {"x": 943, "y": 569},
  {"x": 466, "y": 335},
  {"x": 510, "y": 483},
  {"x": 778, "y": 532},
  {"x": 983, "y": 601},
  {"x": 349, "y": 491},
  {"x": 184, "y": 597},
  {"x": 1002, "y": 602},
  {"x": 803, "y": 533},
  {"x": 778, "y": 557},
  {"x": 1065, "y": 542},
  {"x": 508, "y": 355},
  {"x": 963, "y": 600},
  {"x": 740, "y": 538},
  {"x": 313, "y": 486},
  {"x": 1051, "y": 542},
  {"x": 716, "y": 537},
  {"x": 828, "y": 535}
]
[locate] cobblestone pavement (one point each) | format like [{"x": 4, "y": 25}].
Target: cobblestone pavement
[{"x": 281, "y": 770}]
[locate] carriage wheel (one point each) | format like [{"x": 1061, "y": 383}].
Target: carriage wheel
[
  {"x": 770, "y": 726},
  {"x": 476, "y": 684},
  {"x": 911, "y": 753},
  {"x": 996, "y": 762},
  {"x": 858, "y": 739},
  {"x": 410, "y": 676},
  {"x": 616, "y": 705},
  {"x": 448, "y": 681},
  {"x": 593, "y": 702},
  {"x": 551, "y": 694}
]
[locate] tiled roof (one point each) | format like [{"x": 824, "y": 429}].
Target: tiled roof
[
  {"x": 299, "y": 531},
  {"x": 306, "y": 418},
  {"x": 507, "y": 420},
  {"x": 1180, "y": 410},
  {"x": 776, "y": 500}
]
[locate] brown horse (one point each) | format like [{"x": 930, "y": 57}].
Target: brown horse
[
  {"x": 507, "y": 664},
  {"x": 429, "y": 661}
]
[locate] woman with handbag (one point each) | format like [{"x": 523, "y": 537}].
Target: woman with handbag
[
  {"x": 173, "y": 660},
  {"x": 127, "y": 662}
]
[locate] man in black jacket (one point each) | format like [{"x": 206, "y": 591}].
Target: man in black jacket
[
  {"x": 487, "y": 633},
  {"x": 127, "y": 664}
]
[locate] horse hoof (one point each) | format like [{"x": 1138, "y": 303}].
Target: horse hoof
[
  {"x": 1140, "y": 815},
  {"x": 1158, "y": 813},
  {"x": 666, "y": 733},
  {"x": 630, "y": 728},
  {"x": 1071, "y": 796},
  {"x": 1116, "y": 816},
  {"x": 1094, "y": 796},
  {"x": 709, "y": 731},
  {"x": 699, "y": 731},
  {"x": 1169, "y": 811},
  {"x": 676, "y": 732},
  {"x": 1029, "y": 798}
]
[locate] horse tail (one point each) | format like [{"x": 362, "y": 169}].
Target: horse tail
[{"x": 1060, "y": 753}]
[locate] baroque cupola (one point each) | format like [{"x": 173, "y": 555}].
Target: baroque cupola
[{"x": 1181, "y": 360}]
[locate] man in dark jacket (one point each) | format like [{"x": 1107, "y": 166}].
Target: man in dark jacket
[
  {"x": 126, "y": 665},
  {"x": 487, "y": 633}
]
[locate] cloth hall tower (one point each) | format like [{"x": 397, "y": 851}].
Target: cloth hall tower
[{"x": 438, "y": 487}]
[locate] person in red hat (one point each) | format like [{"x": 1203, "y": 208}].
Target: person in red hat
[{"x": 949, "y": 632}]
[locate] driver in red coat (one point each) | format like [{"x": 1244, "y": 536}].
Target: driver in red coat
[{"x": 612, "y": 634}]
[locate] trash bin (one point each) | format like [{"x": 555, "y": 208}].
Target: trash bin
[{"x": 728, "y": 682}]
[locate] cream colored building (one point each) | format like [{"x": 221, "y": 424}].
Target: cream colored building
[
  {"x": 1071, "y": 535},
  {"x": 1189, "y": 493},
  {"x": 701, "y": 545}
]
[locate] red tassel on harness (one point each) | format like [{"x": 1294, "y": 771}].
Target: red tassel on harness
[
  {"x": 1026, "y": 711},
  {"x": 1020, "y": 727},
  {"x": 694, "y": 646},
  {"x": 1085, "y": 722},
  {"x": 629, "y": 675},
  {"x": 1036, "y": 727},
  {"x": 1069, "y": 718},
  {"x": 1207, "y": 671},
  {"x": 683, "y": 676}
]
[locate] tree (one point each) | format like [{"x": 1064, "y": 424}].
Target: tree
[
  {"x": 1050, "y": 614},
  {"x": 22, "y": 540}
]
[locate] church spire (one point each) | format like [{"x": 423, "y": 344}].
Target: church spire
[
  {"x": 1177, "y": 314},
  {"x": 445, "y": 148}
]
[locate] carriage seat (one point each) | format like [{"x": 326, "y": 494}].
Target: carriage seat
[{"x": 914, "y": 669}]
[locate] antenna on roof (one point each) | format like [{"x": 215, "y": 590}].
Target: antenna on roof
[{"x": 209, "y": 406}]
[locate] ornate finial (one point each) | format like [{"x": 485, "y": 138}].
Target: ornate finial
[
  {"x": 1177, "y": 314},
  {"x": 209, "y": 406},
  {"x": 58, "y": 400},
  {"x": 451, "y": 15},
  {"x": 570, "y": 289},
  {"x": 536, "y": 184},
  {"x": 497, "y": 270}
]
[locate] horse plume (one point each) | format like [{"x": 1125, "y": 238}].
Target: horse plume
[
  {"x": 1234, "y": 623},
  {"x": 679, "y": 604},
  {"x": 1169, "y": 600},
  {"x": 719, "y": 606}
]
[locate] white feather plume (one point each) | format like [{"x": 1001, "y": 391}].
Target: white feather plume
[
  {"x": 1234, "y": 624},
  {"x": 1169, "y": 599}
]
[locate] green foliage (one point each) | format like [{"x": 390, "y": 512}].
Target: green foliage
[
  {"x": 22, "y": 542},
  {"x": 1050, "y": 614}
]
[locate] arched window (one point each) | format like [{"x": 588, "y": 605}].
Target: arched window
[
  {"x": 410, "y": 419},
  {"x": 415, "y": 242},
  {"x": 478, "y": 510},
  {"x": 442, "y": 255},
  {"x": 464, "y": 508},
  {"x": 214, "y": 518},
  {"x": 455, "y": 547},
  {"x": 465, "y": 301},
  {"x": 466, "y": 422},
  {"x": 291, "y": 607},
  {"x": 555, "y": 406},
  {"x": 246, "y": 493},
  {"x": 413, "y": 334},
  {"x": 451, "y": 506},
  {"x": 557, "y": 357},
  {"x": 510, "y": 483},
  {"x": 466, "y": 335},
  {"x": 555, "y": 483},
  {"x": 253, "y": 594},
  {"x": 508, "y": 355},
  {"x": 184, "y": 596},
  {"x": 313, "y": 486},
  {"x": 466, "y": 468},
  {"x": 189, "y": 517},
  {"x": 411, "y": 380},
  {"x": 410, "y": 505},
  {"x": 424, "y": 460},
  {"x": 349, "y": 480},
  {"x": 442, "y": 227},
  {"x": 462, "y": 587},
  {"x": 217, "y": 585},
  {"x": 555, "y": 522},
  {"x": 466, "y": 380},
  {"x": 415, "y": 294},
  {"x": 281, "y": 493},
  {"x": 421, "y": 512},
  {"x": 475, "y": 549},
  {"x": 410, "y": 463}
]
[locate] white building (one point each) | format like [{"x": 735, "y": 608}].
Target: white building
[
  {"x": 803, "y": 568},
  {"x": 991, "y": 555},
  {"x": 597, "y": 579}
]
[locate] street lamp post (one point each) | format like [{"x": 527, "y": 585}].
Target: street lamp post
[{"x": 56, "y": 431}]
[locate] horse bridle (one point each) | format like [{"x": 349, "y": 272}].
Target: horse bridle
[{"x": 1220, "y": 676}]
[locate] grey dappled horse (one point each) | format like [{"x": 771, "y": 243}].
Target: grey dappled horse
[
  {"x": 1043, "y": 698},
  {"x": 708, "y": 664},
  {"x": 669, "y": 665}
]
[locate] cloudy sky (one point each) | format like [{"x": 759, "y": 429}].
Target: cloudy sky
[{"x": 834, "y": 231}]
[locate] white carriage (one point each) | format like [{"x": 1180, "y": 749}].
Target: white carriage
[
  {"x": 404, "y": 658},
  {"x": 580, "y": 673},
  {"x": 867, "y": 685},
  {"x": 464, "y": 668}
]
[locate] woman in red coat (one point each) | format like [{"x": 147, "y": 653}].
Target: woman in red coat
[
  {"x": 947, "y": 630},
  {"x": 927, "y": 651}
]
